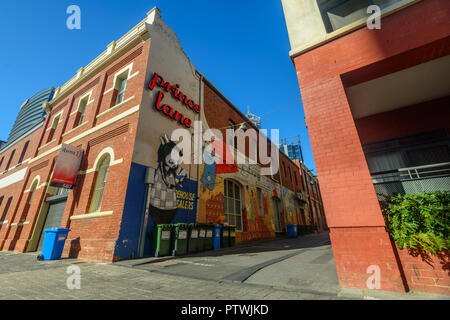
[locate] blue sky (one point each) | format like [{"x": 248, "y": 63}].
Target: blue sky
[{"x": 240, "y": 46}]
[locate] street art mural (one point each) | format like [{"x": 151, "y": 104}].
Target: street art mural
[
  {"x": 171, "y": 193},
  {"x": 212, "y": 208}
]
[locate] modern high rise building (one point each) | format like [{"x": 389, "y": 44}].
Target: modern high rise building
[
  {"x": 292, "y": 148},
  {"x": 30, "y": 114},
  {"x": 374, "y": 79}
]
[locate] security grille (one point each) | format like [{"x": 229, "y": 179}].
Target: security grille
[{"x": 428, "y": 178}]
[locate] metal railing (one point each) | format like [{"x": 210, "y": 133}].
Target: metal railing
[{"x": 426, "y": 178}]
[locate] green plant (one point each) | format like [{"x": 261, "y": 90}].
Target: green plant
[{"x": 419, "y": 222}]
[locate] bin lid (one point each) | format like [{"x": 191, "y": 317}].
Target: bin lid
[{"x": 57, "y": 230}]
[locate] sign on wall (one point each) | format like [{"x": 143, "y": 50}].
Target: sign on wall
[{"x": 66, "y": 167}]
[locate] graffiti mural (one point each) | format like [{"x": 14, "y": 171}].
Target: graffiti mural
[{"x": 164, "y": 181}]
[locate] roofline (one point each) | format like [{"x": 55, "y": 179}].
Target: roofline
[{"x": 113, "y": 50}]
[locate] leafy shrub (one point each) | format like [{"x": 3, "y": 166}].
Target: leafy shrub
[{"x": 419, "y": 222}]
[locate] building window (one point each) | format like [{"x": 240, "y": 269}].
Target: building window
[
  {"x": 121, "y": 86},
  {"x": 100, "y": 183},
  {"x": 5, "y": 211},
  {"x": 32, "y": 191},
  {"x": 53, "y": 128},
  {"x": 231, "y": 126},
  {"x": 260, "y": 202},
  {"x": 337, "y": 14},
  {"x": 81, "y": 110},
  {"x": 232, "y": 208},
  {"x": 1, "y": 161},
  {"x": 24, "y": 151},
  {"x": 290, "y": 175},
  {"x": 1, "y": 200},
  {"x": 10, "y": 160}
]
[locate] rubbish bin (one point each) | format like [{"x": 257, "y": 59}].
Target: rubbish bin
[
  {"x": 54, "y": 240},
  {"x": 217, "y": 237},
  {"x": 208, "y": 242},
  {"x": 193, "y": 238},
  {"x": 225, "y": 243},
  {"x": 201, "y": 237},
  {"x": 292, "y": 230},
  {"x": 180, "y": 239},
  {"x": 232, "y": 236},
  {"x": 162, "y": 236}
]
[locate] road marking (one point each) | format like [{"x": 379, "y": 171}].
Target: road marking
[{"x": 198, "y": 264}]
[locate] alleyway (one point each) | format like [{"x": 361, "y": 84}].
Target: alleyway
[{"x": 301, "y": 268}]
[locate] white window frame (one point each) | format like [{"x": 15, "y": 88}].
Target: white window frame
[
  {"x": 234, "y": 199},
  {"x": 98, "y": 193},
  {"x": 82, "y": 109}
]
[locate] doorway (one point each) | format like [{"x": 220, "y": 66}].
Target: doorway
[
  {"x": 56, "y": 207},
  {"x": 277, "y": 214}
]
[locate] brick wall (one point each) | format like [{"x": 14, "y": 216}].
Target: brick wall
[
  {"x": 13, "y": 212},
  {"x": 218, "y": 114},
  {"x": 104, "y": 126},
  {"x": 409, "y": 37},
  {"x": 426, "y": 273},
  {"x": 405, "y": 121}
]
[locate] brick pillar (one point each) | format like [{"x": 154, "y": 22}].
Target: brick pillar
[{"x": 357, "y": 228}]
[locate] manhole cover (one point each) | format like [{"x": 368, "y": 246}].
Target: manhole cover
[{"x": 248, "y": 254}]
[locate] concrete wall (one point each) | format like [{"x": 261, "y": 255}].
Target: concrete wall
[{"x": 306, "y": 28}]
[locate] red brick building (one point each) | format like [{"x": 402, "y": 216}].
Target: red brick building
[
  {"x": 377, "y": 108},
  {"x": 122, "y": 110}
]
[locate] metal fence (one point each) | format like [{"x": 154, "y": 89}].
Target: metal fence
[{"x": 428, "y": 178}]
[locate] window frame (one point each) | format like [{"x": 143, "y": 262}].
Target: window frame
[
  {"x": 237, "y": 214},
  {"x": 98, "y": 192},
  {"x": 81, "y": 110}
]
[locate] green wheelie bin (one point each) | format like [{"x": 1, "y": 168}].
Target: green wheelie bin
[
  {"x": 225, "y": 242},
  {"x": 193, "y": 238},
  {"x": 162, "y": 239},
  {"x": 232, "y": 236},
  {"x": 201, "y": 237},
  {"x": 208, "y": 241},
  {"x": 180, "y": 239}
]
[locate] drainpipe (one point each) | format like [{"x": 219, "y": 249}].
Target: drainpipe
[
  {"x": 281, "y": 192},
  {"x": 201, "y": 103}
]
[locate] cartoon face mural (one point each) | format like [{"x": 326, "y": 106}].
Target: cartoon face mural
[{"x": 164, "y": 181}]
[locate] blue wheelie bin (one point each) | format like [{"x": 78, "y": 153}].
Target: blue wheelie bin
[
  {"x": 54, "y": 241},
  {"x": 292, "y": 230},
  {"x": 217, "y": 235}
]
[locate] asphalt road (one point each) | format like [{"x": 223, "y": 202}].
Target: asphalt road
[{"x": 304, "y": 263}]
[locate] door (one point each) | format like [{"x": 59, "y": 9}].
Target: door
[
  {"x": 53, "y": 219},
  {"x": 277, "y": 214}
]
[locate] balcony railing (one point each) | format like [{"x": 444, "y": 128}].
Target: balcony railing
[{"x": 427, "y": 178}]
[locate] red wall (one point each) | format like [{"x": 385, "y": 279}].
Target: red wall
[
  {"x": 357, "y": 229},
  {"x": 418, "y": 118}
]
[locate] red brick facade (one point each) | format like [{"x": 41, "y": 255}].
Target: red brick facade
[
  {"x": 99, "y": 130},
  {"x": 353, "y": 213}
]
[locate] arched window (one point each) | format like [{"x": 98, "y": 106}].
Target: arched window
[
  {"x": 32, "y": 191},
  {"x": 232, "y": 208},
  {"x": 100, "y": 183}
]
